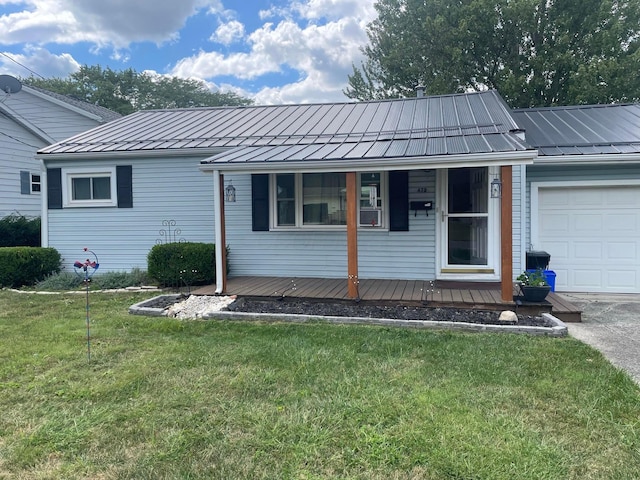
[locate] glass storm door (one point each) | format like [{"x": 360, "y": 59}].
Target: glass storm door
[{"x": 467, "y": 242}]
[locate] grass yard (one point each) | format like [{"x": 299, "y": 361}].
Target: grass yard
[{"x": 168, "y": 399}]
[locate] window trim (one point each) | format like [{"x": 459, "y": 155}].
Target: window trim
[
  {"x": 299, "y": 201},
  {"x": 33, "y": 183},
  {"x": 68, "y": 174}
]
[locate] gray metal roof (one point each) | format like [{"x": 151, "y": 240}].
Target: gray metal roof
[
  {"x": 441, "y": 125},
  {"x": 582, "y": 130}
]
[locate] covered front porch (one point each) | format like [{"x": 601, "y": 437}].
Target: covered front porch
[{"x": 470, "y": 295}]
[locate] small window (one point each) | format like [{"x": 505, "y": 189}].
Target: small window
[
  {"x": 90, "y": 188},
  {"x": 35, "y": 183}
]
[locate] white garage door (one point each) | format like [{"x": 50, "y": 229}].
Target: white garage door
[{"x": 593, "y": 237}]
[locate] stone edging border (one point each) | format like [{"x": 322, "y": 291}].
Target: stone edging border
[{"x": 559, "y": 329}]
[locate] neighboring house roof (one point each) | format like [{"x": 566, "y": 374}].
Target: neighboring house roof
[
  {"x": 473, "y": 123},
  {"x": 582, "y": 130},
  {"x": 104, "y": 114}
]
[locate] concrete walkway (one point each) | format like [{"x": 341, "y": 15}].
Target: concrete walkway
[{"x": 610, "y": 323}]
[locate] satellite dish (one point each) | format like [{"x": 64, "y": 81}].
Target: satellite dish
[{"x": 9, "y": 84}]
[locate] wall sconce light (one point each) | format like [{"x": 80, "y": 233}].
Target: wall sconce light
[
  {"x": 230, "y": 193},
  {"x": 496, "y": 188}
]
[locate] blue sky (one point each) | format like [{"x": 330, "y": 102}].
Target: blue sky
[{"x": 274, "y": 51}]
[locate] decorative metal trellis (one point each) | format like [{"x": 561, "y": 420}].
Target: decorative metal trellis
[{"x": 170, "y": 233}]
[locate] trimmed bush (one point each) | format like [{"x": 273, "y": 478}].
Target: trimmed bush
[
  {"x": 177, "y": 264},
  {"x": 19, "y": 231},
  {"x": 21, "y": 266}
]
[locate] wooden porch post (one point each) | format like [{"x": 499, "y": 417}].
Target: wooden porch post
[
  {"x": 352, "y": 235},
  {"x": 506, "y": 234}
]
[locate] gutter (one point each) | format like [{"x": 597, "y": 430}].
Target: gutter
[
  {"x": 526, "y": 157},
  {"x": 601, "y": 158}
]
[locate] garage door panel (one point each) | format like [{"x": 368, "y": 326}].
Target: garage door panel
[
  {"x": 625, "y": 251},
  {"x": 582, "y": 198},
  {"x": 587, "y": 223},
  {"x": 557, "y": 223},
  {"x": 624, "y": 280},
  {"x": 621, "y": 222},
  {"x": 587, "y": 252},
  {"x": 590, "y": 278},
  {"x": 624, "y": 197},
  {"x": 593, "y": 237}
]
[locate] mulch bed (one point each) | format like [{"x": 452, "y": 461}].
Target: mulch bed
[{"x": 400, "y": 312}]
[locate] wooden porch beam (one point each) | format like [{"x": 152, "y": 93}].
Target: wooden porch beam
[
  {"x": 352, "y": 235},
  {"x": 506, "y": 234}
]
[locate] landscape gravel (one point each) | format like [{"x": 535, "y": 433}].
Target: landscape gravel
[{"x": 196, "y": 306}]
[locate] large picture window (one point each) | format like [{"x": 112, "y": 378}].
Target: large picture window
[{"x": 319, "y": 200}]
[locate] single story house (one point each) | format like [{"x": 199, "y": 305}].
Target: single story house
[
  {"x": 30, "y": 119},
  {"x": 420, "y": 188}
]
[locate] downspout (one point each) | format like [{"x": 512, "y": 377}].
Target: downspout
[
  {"x": 219, "y": 241},
  {"x": 44, "y": 212}
]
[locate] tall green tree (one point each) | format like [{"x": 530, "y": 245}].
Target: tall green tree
[
  {"x": 127, "y": 91},
  {"x": 534, "y": 52}
]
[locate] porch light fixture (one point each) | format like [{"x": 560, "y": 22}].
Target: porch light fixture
[
  {"x": 496, "y": 188},
  {"x": 230, "y": 193}
]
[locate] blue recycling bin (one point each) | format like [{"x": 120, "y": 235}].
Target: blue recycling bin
[{"x": 549, "y": 276}]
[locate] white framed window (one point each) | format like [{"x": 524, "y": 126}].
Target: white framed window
[
  {"x": 319, "y": 200},
  {"x": 89, "y": 188},
  {"x": 36, "y": 183},
  {"x": 30, "y": 183}
]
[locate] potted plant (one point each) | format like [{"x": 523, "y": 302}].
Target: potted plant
[{"x": 533, "y": 285}]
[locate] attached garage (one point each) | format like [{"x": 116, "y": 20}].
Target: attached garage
[{"x": 591, "y": 231}]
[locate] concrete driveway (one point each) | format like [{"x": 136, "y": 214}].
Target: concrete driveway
[{"x": 610, "y": 323}]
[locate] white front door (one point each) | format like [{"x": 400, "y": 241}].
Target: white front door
[{"x": 469, "y": 227}]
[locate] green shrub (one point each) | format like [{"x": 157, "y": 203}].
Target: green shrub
[
  {"x": 110, "y": 280},
  {"x": 104, "y": 281},
  {"x": 177, "y": 264},
  {"x": 19, "y": 231},
  {"x": 21, "y": 266},
  {"x": 59, "y": 281}
]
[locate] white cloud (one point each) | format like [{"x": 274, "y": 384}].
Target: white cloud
[
  {"x": 112, "y": 23},
  {"x": 318, "y": 40},
  {"x": 322, "y": 53},
  {"x": 39, "y": 60},
  {"x": 227, "y": 33},
  {"x": 334, "y": 9}
]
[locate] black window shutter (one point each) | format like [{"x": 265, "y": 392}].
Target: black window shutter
[
  {"x": 54, "y": 188},
  {"x": 124, "y": 185},
  {"x": 399, "y": 201},
  {"x": 260, "y": 202},
  {"x": 25, "y": 183}
]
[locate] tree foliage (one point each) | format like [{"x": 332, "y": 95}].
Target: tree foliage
[
  {"x": 534, "y": 52},
  {"x": 127, "y": 91}
]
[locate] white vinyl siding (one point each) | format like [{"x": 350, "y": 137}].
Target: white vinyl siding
[
  {"x": 381, "y": 254},
  {"x": 17, "y": 150},
  {"x": 18, "y": 145},
  {"x": 163, "y": 189}
]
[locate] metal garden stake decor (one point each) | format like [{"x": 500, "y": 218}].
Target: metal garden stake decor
[{"x": 85, "y": 270}]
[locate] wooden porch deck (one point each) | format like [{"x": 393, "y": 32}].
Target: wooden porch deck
[{"x": 486, "y": 296}]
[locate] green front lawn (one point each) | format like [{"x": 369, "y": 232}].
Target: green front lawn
[{"x": 168, "y": 399}]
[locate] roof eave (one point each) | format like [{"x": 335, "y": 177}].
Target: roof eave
[
  {"x": 525, "y": 157},
  {"x": 202, "y": 153},
  {"x": 586, "y": 159}
]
